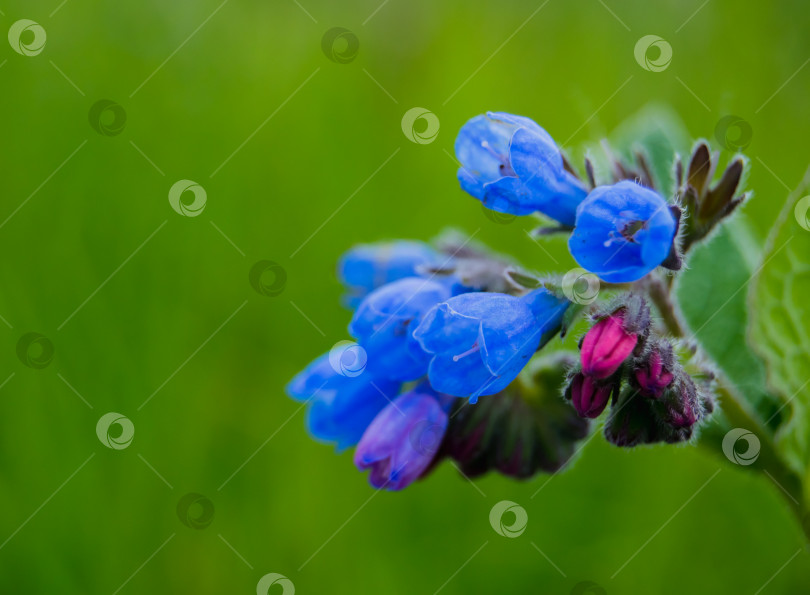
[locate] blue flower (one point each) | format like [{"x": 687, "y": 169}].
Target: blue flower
[
  {"x": 342, "y": 402},
  {"x": 403, "y": 439},
  {"x": 622, "y": 232},
  {"x": 383, "y": 325},
  {"x": 366, "y": 267},
  {"x": 479, "y": 342},
  {"x": 513, "y": 166}
]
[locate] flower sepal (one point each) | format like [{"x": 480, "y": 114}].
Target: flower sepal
[
  {"x": 523, "y": 430},
  {"x": 708, "y": 204}
]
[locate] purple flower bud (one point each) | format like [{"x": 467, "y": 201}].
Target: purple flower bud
[
  {"x": 654, "y": 374},
  {"x": 588, "y": 395},
  {"x": 606, "y": 345},
  {"x": 401, "y": 442},
  {"x": 671, "y": 418},
  {"x": 683, "y": 407}
]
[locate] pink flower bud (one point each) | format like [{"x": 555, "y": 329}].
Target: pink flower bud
[
  {"x": 653, "y": 376},
  {"x": 588, "y": 396},
  {"x": 684, "y": 407},
  {"x": 606, "y": 346}
]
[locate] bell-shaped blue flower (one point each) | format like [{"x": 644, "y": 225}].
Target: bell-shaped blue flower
[
  {"x": 479, "y": 342},
  {"x": 622, "y": 232},
  {"x": 384, "y": 322},
  {"x": 402, "y": 441},
  {"x": 342, "y": 400},
  {"x": 366, "y": 267},
  {"x": 513, "y": 166}
]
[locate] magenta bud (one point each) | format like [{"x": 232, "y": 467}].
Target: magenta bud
[
  {"x": 588, "y": 396},
  {"x": 654, "y": 374},
  {"x": 684, "y": 407},
  {"x": 685, "y": 418},
  {"x": 606, "y": 345}
]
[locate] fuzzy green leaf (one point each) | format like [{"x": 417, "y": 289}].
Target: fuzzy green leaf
[
  {"x": 780, "y": 330},
  {"x": 712, "y": 296}
]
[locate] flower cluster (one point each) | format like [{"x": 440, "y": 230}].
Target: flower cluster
[
  {"x": 423, "y": 338},
  {"x": 444, "y": 361},
  {"x": 603, "y": 351},
  {"x": 653, "y": 398}
]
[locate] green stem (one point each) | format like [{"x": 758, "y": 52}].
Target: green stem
[
  {"x": 739, "y": 414},
  {"x": 659, "y": 293}
]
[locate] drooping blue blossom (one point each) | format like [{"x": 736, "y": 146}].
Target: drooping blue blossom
[
  {"x": 513, "y": 166},
  {"x": 479, "y": 342},
  {"x": 623, "y": 232},
  {"x": 342, "y": 403},
  {"x": 366, "y": 267},
  {"x": 403, "y": 439},
  {"x": 384, "y": 322}
]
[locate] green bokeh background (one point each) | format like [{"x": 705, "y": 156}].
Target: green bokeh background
[{"x": 219, "y": 403}]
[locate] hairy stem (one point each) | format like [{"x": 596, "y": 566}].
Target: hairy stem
[{"x": 659, "y": 292}]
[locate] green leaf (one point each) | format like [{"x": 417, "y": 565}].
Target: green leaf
[
  {"x": 780, "y": 330},
  {"x": 712, "y": 297}
]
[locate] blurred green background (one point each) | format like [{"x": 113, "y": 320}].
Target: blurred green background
[{"x": 141, "y": 302}]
